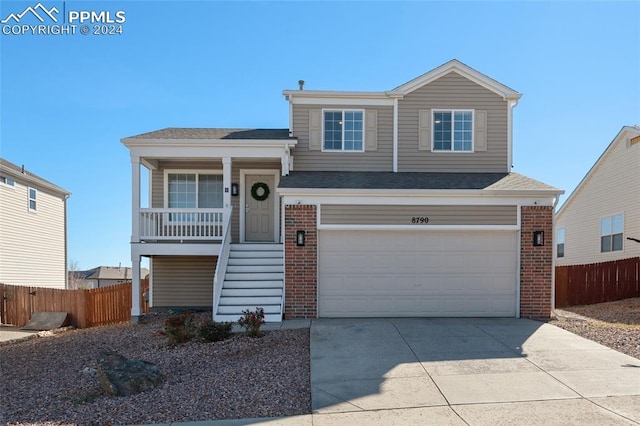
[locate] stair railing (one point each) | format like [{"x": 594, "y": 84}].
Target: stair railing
[{"x": 221, "y": 265}]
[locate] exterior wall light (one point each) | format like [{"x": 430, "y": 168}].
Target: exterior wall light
[
  {"x": 538, "y": 238},
  {"x": 300, "y": 237},
  {"x": 234, "y": 189}
]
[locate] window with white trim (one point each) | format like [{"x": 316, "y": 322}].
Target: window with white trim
[
  {"x": 453, "y": 130},
  {"x": 191, "y": 191},
  {"x": 560, "y": 242},
  {"x": 5, "y": 180},
  {"x": 194, "y": 190},
  {"x": 33, "y": 195},
  {"x": 611, "y": 230},
  {"x": 343, "y": 130}
]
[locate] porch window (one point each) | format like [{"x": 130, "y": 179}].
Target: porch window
[
  {"x": 193, "y": 190},
  {"x": 611, "y": 229}
]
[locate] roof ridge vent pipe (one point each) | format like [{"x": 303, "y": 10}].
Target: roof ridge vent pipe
[{"x": 301, "y": 84}]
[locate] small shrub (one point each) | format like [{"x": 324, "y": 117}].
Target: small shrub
[
  {"x": 251, "y": 322},
  {"x": 212, "y": 331},
  {"x": 179, "y": 329}
]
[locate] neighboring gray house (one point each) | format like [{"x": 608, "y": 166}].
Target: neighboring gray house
[
  {"x": 600, "y": 221},
  {"x": 33, "y": 229},
  {"x": 103, "y": 276},
  {"x": 392, "y": 203}
]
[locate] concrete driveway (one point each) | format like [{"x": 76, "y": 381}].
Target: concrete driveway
[{"x": 466, "y": 371}]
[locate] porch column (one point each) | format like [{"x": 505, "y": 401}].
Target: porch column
[
  {"x": 135, "y": 288},
  {"x": 285, "y": 162},
  {"x": 135, "y": 200},
  {"x": 226, "y": 184}
]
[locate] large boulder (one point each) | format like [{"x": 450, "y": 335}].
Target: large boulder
[{"x": 122, "y": 377}]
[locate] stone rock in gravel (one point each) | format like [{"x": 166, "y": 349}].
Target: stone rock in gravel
[{"x": 120, "y": 376}]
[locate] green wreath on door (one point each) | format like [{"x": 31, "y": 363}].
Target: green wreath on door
[{"x": 265, "y": 191}]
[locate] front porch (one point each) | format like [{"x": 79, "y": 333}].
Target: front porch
[{"x": 199, "y": 198}]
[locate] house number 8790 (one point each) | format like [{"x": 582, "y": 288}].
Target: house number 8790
[{"x": 420, "y": 220}]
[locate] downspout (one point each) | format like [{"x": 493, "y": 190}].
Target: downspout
[
  {"x": 511, "y": 105},
  {"x": 395, "y": 135},
  {"x": 553, "y": 254},
  {"x": 66, "y": 245}
]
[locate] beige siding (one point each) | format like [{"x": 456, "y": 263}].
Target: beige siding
[
  {"x": 612, "y": 188},
  {"x": 456, "y": 92},
  {"x": 183, "y": 281},
  {"x": 32, "y": 244},
  {"x": 403, "y": 215},
  {"x": 157, "y": 182},
  {"x": 379, "y": 160}
]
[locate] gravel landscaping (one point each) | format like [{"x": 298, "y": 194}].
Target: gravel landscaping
[
  {"x": 52, "y": 381},
  {"x": 612, "y": 324}
]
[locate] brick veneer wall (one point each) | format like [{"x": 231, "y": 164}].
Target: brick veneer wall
[
  {"x": 301, "y": 263},
  {"x": 536, "y": 263}
]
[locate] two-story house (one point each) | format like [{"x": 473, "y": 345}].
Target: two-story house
[
  {"x": 395, "y": 203},
  {"x": 600, "y": 221},
  {"x": 33, "y": 229}
]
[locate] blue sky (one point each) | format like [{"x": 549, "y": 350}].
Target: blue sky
[{"x": 67, "y": 100}]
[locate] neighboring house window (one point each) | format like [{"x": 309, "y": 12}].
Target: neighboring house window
[
  {"x": 453, "y": 130},
  {"x": 33, "y": 204},
  {"x": 343, "y": 130},
  {"x": 560, "y": 242},
  {"x": 7, "y": 181},
  {"x": 611, "y": 229}
]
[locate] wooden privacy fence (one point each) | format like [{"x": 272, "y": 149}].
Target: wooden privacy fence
[
  {"x": 86, "y": 308},
  {"x": 597, "y": 282}
]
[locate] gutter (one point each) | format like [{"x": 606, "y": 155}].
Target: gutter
[{"x": 553, "y": 254}]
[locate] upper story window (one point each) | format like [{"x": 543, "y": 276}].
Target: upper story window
[
  {"x": 343, "y": 130},
  {"x": 611, "y": 230},
  {"x": 33, "y": 203},
  {"x": 194, "y": 190},
  {"x": 560, "y": 242},
  {"x": 453, "y": 130},
  {"x": 5, "y": 180}
]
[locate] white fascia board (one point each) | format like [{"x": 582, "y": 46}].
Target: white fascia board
[
  {"x": 178, "y": 152},
  {"x": 138, "y": 142},
  {"x": 420, "y": 228},
  {"x": 413, "y": 197},
  {"x": 36, "y": 182},
  {"x": 456, "y": 66},
  {"x": 342, "y": 101}
]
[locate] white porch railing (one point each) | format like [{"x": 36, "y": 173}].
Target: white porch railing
[
  {"x": 221, "y": 264},
  {"x": 181, "y": 224}
]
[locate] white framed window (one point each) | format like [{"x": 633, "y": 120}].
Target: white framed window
[
  {"x": 611, "y": 233},
  {"x": 343, "y": 130},
  {"x": 5, "y": 180},
  {"x": 560, "y": 242},
  {"x": 452, "y": 130},
  {"x": 193, "y": 190},
  {"x": 33, "y": 199}
]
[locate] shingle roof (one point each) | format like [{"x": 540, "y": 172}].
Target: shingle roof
[
  {"x": 110, "y": 273},
  {"x": 20, "y": 172},
  {"x": 412, "y": 180},
  {"x": 214, "y": 133}
]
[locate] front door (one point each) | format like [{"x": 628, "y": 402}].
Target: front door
[{"x": 259, "y": 206}]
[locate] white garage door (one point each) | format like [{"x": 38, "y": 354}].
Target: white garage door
[{"x": 417, "y": 273}]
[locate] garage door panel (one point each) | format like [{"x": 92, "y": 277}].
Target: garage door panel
[{"x": 391, "y": 273}]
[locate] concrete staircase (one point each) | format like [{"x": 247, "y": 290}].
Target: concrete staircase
[{"x": 254, "y": 278}]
